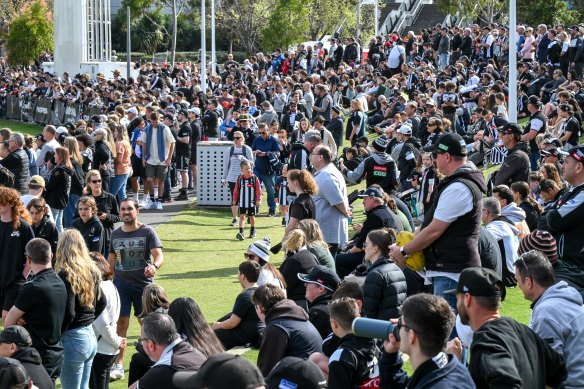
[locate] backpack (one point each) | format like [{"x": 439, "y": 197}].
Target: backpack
[
  {"x": 273, "y": 163},
  {"x": 6, "y": 177}
]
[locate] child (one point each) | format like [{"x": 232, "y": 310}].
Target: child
[
  {"x": 353, "y": 364},
  {"x": 248, "y": 196},
  {"x": 450, "y": 102},
  {"x": 283, "y": 193},
  {"x": 242, "y": 326},
  {"x": 501, "y": 106},
  {"x": 428, "y": 181}
]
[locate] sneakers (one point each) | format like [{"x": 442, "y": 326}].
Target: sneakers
[
  {"x": 158, "y": 206},
  {"x": 240, "y": 236},
  {"x": 142, "y": 203},
  {"x": 252, "y": 234},
  {"x": 117, "y": 373},
  {"x": 272, "y": 214},
  {"x": 182, "y": 196},
  {"x": 234, "y": 223},
  {"x": 150, "y": 205}
]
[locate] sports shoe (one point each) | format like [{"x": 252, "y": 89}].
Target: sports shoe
[
  {"x": 240, "y": 236},
  {"x": 116, "y": 374},
  {"x": 142, "y": 203},
  {"x": 252, "y": 234},
  {"x": 272, "y": 214},
  {"x": 166, "y": 200},
  {"x": 150, "y": 205},
  {"x": 182, "y": 196},
  {"x": 234, "y": 223},
  {"x": 158, "y": 206}
]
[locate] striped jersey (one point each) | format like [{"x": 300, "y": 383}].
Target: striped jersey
[
  {"x": 247, "y": 192},
  {"x": 283, "y": 192}
]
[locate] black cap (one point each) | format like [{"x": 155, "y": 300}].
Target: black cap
[
  {"x": 450, "y": 143},
  {"x": 553, "y": 152},
  {"x": 323, "y": 276},
  {"x": 534, "y": 100},
  {"x": 61, "y": 137},
  {"x": 576, "y": 152},
  {"x": 40, "y": 137},
  {"x": 183, "y": 112},
  {"x": 372, "y": 192},
  {"x": 168, "y": 116},
  {"x": 70, "y": 126},
  {"x": 17, "y": 335},
  {"x": 480, "y": 282},
  {"x": 221, "y": 371},
  {"x": 336, "y": 108},
  {"x": 293, "y": 372},
  {"x": 511, "y": 128},
  {"x": 415, "y": 175},
  {"x": 565, "y": 107},
  {"x": 12, "y": 373}
]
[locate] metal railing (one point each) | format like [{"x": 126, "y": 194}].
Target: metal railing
[{"x": 395, "y": 20}]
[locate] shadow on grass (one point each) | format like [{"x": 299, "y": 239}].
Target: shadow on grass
[{"x": 194, "y": 275}]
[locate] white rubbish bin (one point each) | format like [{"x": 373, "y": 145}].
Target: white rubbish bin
[{"x": 210, "y": 158}]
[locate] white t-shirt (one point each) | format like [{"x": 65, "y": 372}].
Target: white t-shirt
[
  {"x": 168, "y": 140},
  {"x": 394, "y": 55}
]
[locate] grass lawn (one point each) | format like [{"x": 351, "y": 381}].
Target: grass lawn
[{"x": 18, "y": 126}]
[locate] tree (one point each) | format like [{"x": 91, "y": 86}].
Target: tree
[
  {"x": 148, "y": 32},
  {"x": 245, "y": 20},
  {"x": 30, "y": 35},
  {"x": 324, "y": 16},
  {"x": 287, "y": 24},
  {"x": 550, "y": 12},
  {"x": 176, "y": 8}
]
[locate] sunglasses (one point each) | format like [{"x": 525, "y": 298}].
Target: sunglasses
[
  {"x": 237, "y": 137},
  {"x": 248, "y": 256},
  {"x": 95, "y": 181},
  {"x": 263, "y": 133}
]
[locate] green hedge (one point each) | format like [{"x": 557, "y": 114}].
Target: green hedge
[{"x": 183, "y": 56}]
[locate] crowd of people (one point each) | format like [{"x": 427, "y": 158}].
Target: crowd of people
[{"x": 418, "y": 116}]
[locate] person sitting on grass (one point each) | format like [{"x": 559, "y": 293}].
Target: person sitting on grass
[
  {"x": 248, "y": 196},
  {"x": 242, "y": 326}
]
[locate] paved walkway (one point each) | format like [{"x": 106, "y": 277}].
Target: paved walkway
[{"x": 154, "y": 218}]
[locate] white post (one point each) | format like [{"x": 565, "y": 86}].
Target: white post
[
  {"x": 128, "y": 45},
  {"x": 358, "y": 18},
  {"x": 512, "y": 62},
  {"x": 376, "y": 17},
  {"x": 203, "y": 69},
  {"x": 213, "y": 58}
]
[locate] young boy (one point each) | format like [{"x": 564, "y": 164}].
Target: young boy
[
  {"x": 247, "y": 195},
  {"x": 282, "y": 187},
  {"x": 242, "y": 326},
  {"x": 353, "y": 364}
]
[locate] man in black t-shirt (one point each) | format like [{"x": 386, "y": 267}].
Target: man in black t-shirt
[
  {"x": 183, "y": 152},
  {"x": 196, "y": 131},
  {"x": 242, "y": 325},
  {"x": 41, "y": 303}
]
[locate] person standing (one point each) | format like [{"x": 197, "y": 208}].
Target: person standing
[
  {"x": 183, "y": 152},
  {"x": 536, "y": 125},
  {"x": 194, "y": 115},
  {"x": 122, "y": 163},
  {"x": 331, "y": 200},
  {"x": 15, "y": 233},
  {"x": 17, "y": 162},
  {"x": 58, "y": 185},
  {"x": 135, "y": 255},
  {"x": 261, "y": 147},
  {"x": 449, "y": 234},
  {"x": 41, "y": 304},
  {"x": 158, "y": 147}
]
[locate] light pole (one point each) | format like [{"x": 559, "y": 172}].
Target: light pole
[
  {"x": 512, "y": 62},
  {"x": 213, "y": 58},
  {"x": 358, "y": 18},
  {"x": 376, "y": 17},
  {"x": 203, "y": 68}
]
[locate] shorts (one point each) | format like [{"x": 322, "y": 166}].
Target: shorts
[
  {"x": 129, "y": 295},
  {"x": 247, "y": 211},
  {"x": 193, "y": 159},
  {"x": 137, "y": 167},
  {"x": 231, "y": 188},
  {"x": 9, "y": 294},
  {"x": 156, "y": 171},
  {"x": 182, "y": 163}
]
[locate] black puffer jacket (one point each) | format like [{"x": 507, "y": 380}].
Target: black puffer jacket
[
  {"x": 384, "y": 291},
  {"x": 58, "y": 187},
  {"x": 515, "y": 167},
  {"x": 319, "y": 314},
  {"x": 17, "y": 163},
  {"x": 48, "y": 231}
]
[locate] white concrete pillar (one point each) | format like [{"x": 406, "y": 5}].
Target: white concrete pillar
[{"x": 70, "y": 35}]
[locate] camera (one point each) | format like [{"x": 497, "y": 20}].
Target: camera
[{"x": 374, "y": 329}]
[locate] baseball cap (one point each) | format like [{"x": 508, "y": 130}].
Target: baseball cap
[
  {"x": 183, "y": 112},
  {"x": 512, "y": 128},
  {"x": 430, "y": 102},
  {"x": 405, "y": 129},
  {"x": 221, "y": 371},
  {"x": 323, "y": 276},
  {"x": 380, "y": 144},
  {"x": 195, "y": 110},
  {"x": 480, "y": 282},
  {"x": 17, "y": 335},
  {"x": 12, "y": 373},
  {"x": 244, "y": 117},
  {"x": 337, "y": 108},
  {"x": 553, "y": 141},
  {"x": 293, "y": 372},
  {"x": 169, "y": 117},
  {"x": 37, "y": 180},
  {"x": 62, "y": 136},
  {"x": 553, "y": 152},
  {"x": 450, "y": 143},
  {"x": 132, "y": 110},
  {"x": 576, "y": 152},
  {"x": 40, "y": 137},
  {"x": 372, "y": 192}
]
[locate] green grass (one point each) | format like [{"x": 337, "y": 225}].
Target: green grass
[{"x": 18, "y": 126}]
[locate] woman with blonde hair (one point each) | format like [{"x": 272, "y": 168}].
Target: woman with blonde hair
[
  {"x": 85, "y": 303},
  {"x": 298, "y": 260},
  {"x": 315, "y": 243},
  {"x": 122, "y": 163},
  {"x": 58, "y": 185},
  {"x": 356, "y": 123},
  {"x": 77, "y": 179}
]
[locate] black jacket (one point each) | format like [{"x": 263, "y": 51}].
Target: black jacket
[
  {"x": 378, "y": 217},
  {"x": 384, "y": 291},
  {"x": 301, "y": 262},
  {"x": 466, "y": 46},
  {"x": 92, "y": 232},
  {"x": 515, "y": 167},
  {"x": 48, "y": 231},
  {"x": 102, "y": 156},
  {"x": 17, "y": 163},
  {"x": 319, "y": 315},
  {"x": 507, "y": 354},
  {"x": 353, "y": 364},
  {"x": 408, "y": 158},
  {"x": 58, "y": 187},
  {"x": 31, "y": 360}
]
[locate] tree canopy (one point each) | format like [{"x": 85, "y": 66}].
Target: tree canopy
[{"x": 30, "y": 34}]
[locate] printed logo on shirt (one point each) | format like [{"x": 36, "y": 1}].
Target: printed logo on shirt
[
  {"x": 380, "y": 171},
  {"x": 15, "y": 233}
]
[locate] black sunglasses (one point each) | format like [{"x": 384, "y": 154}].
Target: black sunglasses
[{"x": 95, "y": 181}]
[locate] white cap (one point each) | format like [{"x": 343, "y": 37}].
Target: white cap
[
  {"x": 405, "y": 129},
  {"x": 132, "y": 110},
  {"x": 195, "y": 110}
]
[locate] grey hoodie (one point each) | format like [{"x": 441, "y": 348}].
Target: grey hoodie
[
  {"x": 558, "y": 318},
  {"x": 513, "y": 213}
]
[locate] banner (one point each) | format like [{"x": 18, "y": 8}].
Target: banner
[
  {"x": 12, "y": 107},
  {"x": 58, "y": 113},
  {"x": 27, "y": 110},
  {"x": 91, "y": 111},
  {"x": 42, "y": 111},
  {"x": 71, "y": 113}
]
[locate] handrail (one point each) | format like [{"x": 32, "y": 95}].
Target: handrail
[
  {"x": 396, "y": 18},
  {"x": 412, "y": 12}
]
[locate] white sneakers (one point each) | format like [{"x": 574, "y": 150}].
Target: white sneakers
[
  {"x": 153, "y": 205},
  {"x": 158, "y": 206},
  {"x": 117, "y": 373}
]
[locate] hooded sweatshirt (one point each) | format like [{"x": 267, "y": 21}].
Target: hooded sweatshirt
[
  {"x": 558, "y": 318},
  {"x": 288, "y": 333},
  {"x": 354, "y": 363},
  {"x": 379, "y": 168},
  {"x": 31, "y": 360},
  {"x": 504, "y": 230},
  {"x": 58, "y": 187},
  {"x": 92, "y": 232},
  {"x": 513, "y": 213}
]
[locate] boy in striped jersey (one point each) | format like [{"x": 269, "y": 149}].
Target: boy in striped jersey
[{"x": 247, "y": 195}]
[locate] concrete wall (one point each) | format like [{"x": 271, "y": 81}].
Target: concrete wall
[{"x": 70, "y": 35}]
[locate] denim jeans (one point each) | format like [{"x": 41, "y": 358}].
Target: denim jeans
[
  {"x": 79, "y": 348},
  {"x": 269, "y": 180},
  {"x": 58, "y": 216},
  {"x": 118, "y": 185},
  {"x": 442, "y": 284},
  {"x": 534, "y": 160},
  {"x": 70, "y": 210},
  {"x": 443, "y": 60}
]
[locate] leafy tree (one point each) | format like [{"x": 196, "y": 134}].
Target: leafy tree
[
  {"x": 148, "y": 32},
  {"x": 550, "y": 12},
  {"x": 245, "y": 20},
  {"x": 287, "y": 24},
  {"x": 30, "y": 35},
  {"x": 324, "y": 16}
]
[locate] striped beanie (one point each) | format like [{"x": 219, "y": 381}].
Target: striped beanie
[
  {"x": 541, "y": 241},
  {"x": 261, "y": 248}
]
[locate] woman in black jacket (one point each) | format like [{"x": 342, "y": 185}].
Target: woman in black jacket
[
  {"x": 89, "y": 225},
  {"x": 298, "y": 260},
  {"x": 77, "y": 180},
  {"x": 58, "y": 185},
  {"x": 385, "y": 287},
  {"x": 42, "y": 225},
  {"x": 108, "y": 209},
  {"x": 521, "y": 196},
  {"x": 102, "y": 157}
]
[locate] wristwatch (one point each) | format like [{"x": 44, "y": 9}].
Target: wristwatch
[
  {"x": 403, "y": 252},
  {"x": 156, "y": 266}
]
